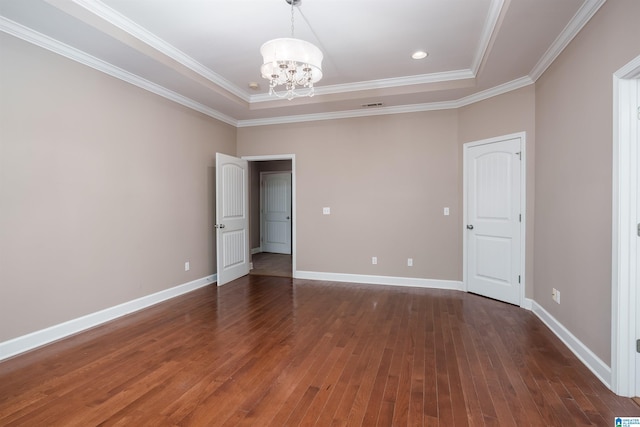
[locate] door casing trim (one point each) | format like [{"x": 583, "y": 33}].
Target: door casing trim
[
  {"x": 294, "y": 215},
  {"x": 624, "y": 272}
]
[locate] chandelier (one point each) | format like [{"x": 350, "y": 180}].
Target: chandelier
[{"x": 291, "y": 65}]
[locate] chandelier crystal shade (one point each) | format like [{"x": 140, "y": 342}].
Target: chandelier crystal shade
[{"x": 291, "y": 65}]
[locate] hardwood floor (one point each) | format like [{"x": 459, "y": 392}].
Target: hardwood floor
[
  {"x": 275, "y": 351},
  {"x": 268, "y": 264}
]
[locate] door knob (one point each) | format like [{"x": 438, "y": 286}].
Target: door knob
[
  {"x": 287, "y": 217},
  {"x": 469, "y": 227}
]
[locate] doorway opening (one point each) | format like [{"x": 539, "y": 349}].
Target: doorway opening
[{"x": 272, "y": 234}]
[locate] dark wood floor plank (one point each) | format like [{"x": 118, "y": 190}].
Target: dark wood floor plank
[
  {"x": 417, "y": 384},
  {"x": 406, "y": 349},
  {"x": 277, "y": 351},
  {"x": 366, "y": 407}
]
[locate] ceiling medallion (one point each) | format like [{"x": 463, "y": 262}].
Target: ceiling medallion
[{"x": 291, "y": 65}]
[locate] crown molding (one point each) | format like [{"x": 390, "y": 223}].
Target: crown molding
[
  {"x": 380, "y": 84},
  {"x": 579, "y": 20},
  {"x": 495, "y": 91},
  {"x": 125, "y": 24},
  {"x": 120, "y": 21},
  {"x": 46, "y": 42},
  {"x": 414, "y": 108},
  {"x": 20, "y": 31},
  {"x": 490, "y": 28},
  {"x": 347, "y": 114}
]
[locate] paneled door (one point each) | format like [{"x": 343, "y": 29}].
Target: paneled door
[
  {"x": 232, "y": 218},
  {"x": 276, "y": 212},
  {"x": 492, "y": 219}
]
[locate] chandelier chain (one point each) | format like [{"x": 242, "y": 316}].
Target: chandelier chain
[{"x": 292, "y": 19}]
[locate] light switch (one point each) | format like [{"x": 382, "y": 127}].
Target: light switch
[
  {"x": 446, "y": 211},
  {"x": 326, "y": 211}
]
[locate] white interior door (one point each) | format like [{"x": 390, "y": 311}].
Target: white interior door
[
  {"x": 232, "y": 218},
  {"x": 492, "y": 172},
  {"x": 276, "y": 212}
]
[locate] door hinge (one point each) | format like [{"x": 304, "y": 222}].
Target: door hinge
[
  {"x": 520, "y": 218},
  {"x": 518, "y": 278},
  {"x": 639, "y": 229},
  {"x": 638, "y": 346}
]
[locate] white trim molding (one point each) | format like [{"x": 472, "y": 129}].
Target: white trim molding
[
  {"x": 48, "y": 335},
  {"x": 155, "y": 47},
  {"x": 581, "y": 351},
  {"x": 62, "y": 49},
  {"x": 624, "y": 270},
  {"x": 380, "y": 280},
  {"x": 400, "y": 109},
  {"x": 579, "y": 20}
]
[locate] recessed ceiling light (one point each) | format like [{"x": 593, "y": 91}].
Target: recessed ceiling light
[{"x": 420, "y": 54}]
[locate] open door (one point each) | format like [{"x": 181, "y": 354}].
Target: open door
[{"x": 232, "y": 218}]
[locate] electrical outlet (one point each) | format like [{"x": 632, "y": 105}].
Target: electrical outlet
[
  {"x": 409, "y": 262},
  {"x": 555, "y": 295},
  {"x": 326, "y": 211},
  {"x": 558, "y": 296},
  {"x": 186, "y": 266},
  {"x": 446, "y": 211},
  {"x": 374, "y": 260}
]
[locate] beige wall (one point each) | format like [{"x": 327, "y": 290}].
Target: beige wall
[
  {"x": 386, "y": 180},
  {"x": 574, "y": 174},
  {"x": 509, "y": 113},
  {"x": 105, "y": 190}
]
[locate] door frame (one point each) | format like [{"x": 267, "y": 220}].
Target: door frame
[
  {"x": 624, "y": 271},
  {"x": 262, "y": 174},
  {"x": 294, "y": 216},
  {"x": 523, "y": 207}
]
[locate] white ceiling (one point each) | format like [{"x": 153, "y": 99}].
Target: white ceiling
[{"x": 204, "y": 53}]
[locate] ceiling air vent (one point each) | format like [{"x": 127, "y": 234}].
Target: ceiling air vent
[{"x": 372, "y": 105}]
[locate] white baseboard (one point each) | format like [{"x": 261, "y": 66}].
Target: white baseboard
[
  {"x": 582, "y": 352},
  {"x": 39, "y": 338},
  {"x": 256, "y": 250},
  {"x": 380, "y": 280}
]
